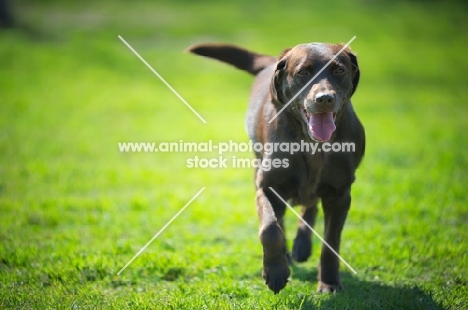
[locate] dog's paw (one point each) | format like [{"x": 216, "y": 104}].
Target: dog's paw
[
  {"x": 328, "y": 288},
  {"x": 276, "y": 276},
  {"x": 302, "y": 249}
]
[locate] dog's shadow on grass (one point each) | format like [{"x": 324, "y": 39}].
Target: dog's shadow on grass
[{"x": 364, "y": 294}]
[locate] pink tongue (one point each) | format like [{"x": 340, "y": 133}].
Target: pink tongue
[{"x": 322, "y": 126}]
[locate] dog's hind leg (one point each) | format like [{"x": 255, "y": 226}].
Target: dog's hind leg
[
  {"x": 275, "y": 260},
  {"x": 302, "y": 246}
]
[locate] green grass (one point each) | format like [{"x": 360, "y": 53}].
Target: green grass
[{"x": 74, "y": 210}]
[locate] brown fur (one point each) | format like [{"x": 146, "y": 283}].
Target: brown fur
[{"x": 309, "y": 177}]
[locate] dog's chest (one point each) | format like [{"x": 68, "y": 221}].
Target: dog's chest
[{"x": 306, "y": 170}]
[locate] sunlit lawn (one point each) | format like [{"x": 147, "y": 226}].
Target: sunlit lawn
[{"x": 74, "y": 210}]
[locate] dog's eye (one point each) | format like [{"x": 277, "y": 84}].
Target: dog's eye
[
  {"x": 303, "y": 72},
  {"x": 339, "y": 71}
]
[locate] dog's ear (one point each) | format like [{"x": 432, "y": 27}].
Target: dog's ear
[
  {"x": 276, "y": 85},
  {"x": 356, "y": 71},
  {"x": 283, "y": 55}
]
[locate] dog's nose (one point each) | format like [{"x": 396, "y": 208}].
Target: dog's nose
[{"x": 326, "y": 99}]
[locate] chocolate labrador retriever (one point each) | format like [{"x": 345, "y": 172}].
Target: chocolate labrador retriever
[{"x": 318, "y": 112}]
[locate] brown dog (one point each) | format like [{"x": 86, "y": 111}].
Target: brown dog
[{"x": 321, "y": 112}]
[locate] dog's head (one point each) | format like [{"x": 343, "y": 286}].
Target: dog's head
[{"x": 317, "y": 91}]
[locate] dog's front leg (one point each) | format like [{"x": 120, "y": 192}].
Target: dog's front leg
[
  {"x": 275, "y": 261},
  {"x": 336, "y": 210}
]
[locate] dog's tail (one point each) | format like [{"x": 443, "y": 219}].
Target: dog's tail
[{"x": 234, "y": 55}]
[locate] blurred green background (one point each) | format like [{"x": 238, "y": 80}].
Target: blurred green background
[{"x": 74, "y": 210}]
